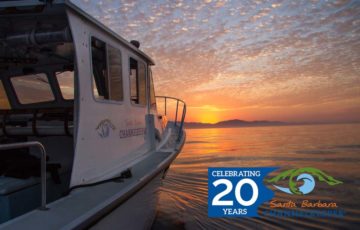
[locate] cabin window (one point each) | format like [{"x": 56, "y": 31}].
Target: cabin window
[
  {"x": 138, "y": 82},
  {"x": 115, "y": 74},
  {"x": 107, "y": 77},
  {"x": 98, "y": 53},
  {"x": 33, "y": 88},
  {"x": 66, "y": 84},
  {"x": 152, "y": 91},
  {"x": 4, "y": 101}
]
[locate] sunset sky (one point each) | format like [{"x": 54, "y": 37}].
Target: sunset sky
[{"x": 251, "y": 60}]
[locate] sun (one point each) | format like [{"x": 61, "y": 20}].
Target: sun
[{"x": 208, "y": 118}]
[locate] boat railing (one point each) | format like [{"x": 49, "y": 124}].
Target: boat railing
[
  {"x": 178, "y": 119},
  {"x": 43, "y": 164}
]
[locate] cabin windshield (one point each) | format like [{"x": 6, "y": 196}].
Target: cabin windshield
[
  {"x": 4, "y": 101},
  {"x": 32, "y": 88},
  {"x": 66, "y": 84}
]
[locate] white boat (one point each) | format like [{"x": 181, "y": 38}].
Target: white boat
[{"x": 84, "y": 142}]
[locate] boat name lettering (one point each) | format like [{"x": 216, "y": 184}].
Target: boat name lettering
[
  {"x": 132, "y": 122},
  {"x": 124, "y": 133}
]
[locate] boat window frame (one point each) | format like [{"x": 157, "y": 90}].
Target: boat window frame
[
  {"x": 16, "y": 97},
  {"x": 129, "y": 80},
  {"x": 106, "y": 41}
]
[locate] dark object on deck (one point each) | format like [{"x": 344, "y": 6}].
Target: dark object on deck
[
  {"x": 135, "y": 43},
  {"x": 19, "y": 164},
  {"x": 126, "y": 174},
  {"x": 53, "y": 169}
]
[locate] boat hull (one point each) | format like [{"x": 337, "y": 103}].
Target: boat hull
[{"x": 138, "y": 212}]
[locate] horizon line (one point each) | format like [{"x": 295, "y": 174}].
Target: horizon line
[{"x": 276, "y": 121}]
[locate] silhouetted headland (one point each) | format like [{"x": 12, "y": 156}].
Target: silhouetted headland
[{"x": 242, "y": 123}]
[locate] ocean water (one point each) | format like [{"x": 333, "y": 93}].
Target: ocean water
[{"x": 335, "y": 149}]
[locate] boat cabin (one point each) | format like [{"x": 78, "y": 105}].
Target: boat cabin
[{"x": 77, "y": 90}]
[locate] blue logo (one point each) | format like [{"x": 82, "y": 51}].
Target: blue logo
[{"x": 237, "y": 192}]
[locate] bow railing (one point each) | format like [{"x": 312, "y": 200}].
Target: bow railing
[{"x": 178, "y": 119}]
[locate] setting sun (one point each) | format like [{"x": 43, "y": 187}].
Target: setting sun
[
  {"x": 208, "y": 117},
  {"x": 204, "y": 114}
]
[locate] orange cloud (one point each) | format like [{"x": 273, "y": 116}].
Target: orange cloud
[{"x": 290, "y": 61}]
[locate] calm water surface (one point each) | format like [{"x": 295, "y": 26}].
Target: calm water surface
[{"x": 334, "y": 149}]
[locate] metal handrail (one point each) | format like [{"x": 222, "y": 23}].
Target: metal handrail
[
  {"x": 43, "y": 164},
  {"x": 180, "y": 133}
]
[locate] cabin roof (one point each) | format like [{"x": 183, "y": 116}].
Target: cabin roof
[{"x": 79, "y": 11}]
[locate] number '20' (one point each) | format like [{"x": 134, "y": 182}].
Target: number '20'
[{"x": 229, "y": 186}]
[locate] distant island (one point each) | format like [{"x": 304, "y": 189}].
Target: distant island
[{"x": 233, "y": 123}]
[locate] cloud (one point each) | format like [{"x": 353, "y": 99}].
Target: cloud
[{"x": 266, "y": 53}]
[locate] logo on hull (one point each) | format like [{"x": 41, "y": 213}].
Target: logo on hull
[{"x": 104, "y": 128}]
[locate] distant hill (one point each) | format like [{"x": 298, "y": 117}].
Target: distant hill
[{"x": 232, "y": 123}]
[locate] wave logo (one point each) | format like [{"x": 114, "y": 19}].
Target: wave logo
[
  {"x": 104, "y": 128},
  {"x": 307, "y": 175}
]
